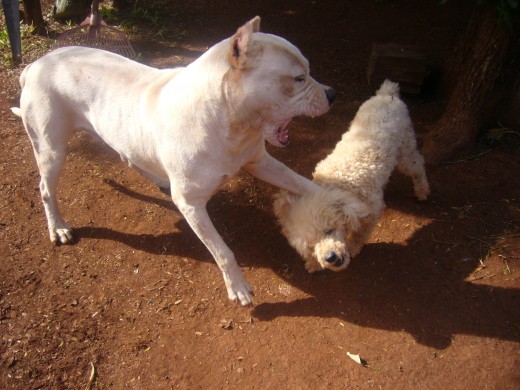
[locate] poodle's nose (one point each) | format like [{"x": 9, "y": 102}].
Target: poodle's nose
[
  {"x": 331, "y": 257},
  {"x": 334, "y": 259}
]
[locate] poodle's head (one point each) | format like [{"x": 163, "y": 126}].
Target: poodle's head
[{"x": 316, "y": 225}]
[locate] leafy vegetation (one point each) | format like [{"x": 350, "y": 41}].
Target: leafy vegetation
[
  {"x": 507, "y": 10},
  {"x": 32, "y": 45}
]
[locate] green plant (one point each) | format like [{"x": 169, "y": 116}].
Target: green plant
[
  {"x": 5, "y": 45},
  {"x": 498, "y": 133}
]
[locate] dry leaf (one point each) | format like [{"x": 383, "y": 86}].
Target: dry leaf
[
  {"x": 226, "y": 324},
  {"x": 357, "y": 359}
]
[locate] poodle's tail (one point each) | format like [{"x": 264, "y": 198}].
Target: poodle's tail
[{"x": 388, "y": 88}]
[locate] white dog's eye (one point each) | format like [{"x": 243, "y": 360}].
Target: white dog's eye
[
  {"x": 299, "y": 79},
  {"x": 328, "y": 232}
]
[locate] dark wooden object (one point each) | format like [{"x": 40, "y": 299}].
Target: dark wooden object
[{"x": 403, "y": 64}]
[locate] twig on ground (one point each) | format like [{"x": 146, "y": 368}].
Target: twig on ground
[
  {"x": 469, "y": 158},
  {"x": 92, "y": 376}
]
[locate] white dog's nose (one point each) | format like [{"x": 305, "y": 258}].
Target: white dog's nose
[{"x": 331, "y": 95}]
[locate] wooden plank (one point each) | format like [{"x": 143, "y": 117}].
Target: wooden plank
[{"x": 403, "y": 64}]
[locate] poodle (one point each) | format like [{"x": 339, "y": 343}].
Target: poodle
[{"x": 330, "y": 226}]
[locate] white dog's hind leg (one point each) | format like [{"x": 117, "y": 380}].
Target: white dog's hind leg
[
  {"x": 51, "y": 160},
  {"x": 237, "y": 287}
]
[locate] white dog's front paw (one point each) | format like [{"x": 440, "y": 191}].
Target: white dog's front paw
[
  {"x": 62, "y": 235},
  {"x": 238, "y": 289}
]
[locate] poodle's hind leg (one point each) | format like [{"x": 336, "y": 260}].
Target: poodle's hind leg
[{"x": 411, "y": 163}]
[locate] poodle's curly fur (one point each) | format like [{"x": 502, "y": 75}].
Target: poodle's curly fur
[{"x": 331, "y": 226}]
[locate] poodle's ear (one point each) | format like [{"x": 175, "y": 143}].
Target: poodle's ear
[
  {"x": 283, "y": 201},
  {"x": 354, "y": 210}
]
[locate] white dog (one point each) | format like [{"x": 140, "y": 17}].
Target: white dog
[
  {"x": 189, "y": 129},
  {"x": 330, "y": 226}
]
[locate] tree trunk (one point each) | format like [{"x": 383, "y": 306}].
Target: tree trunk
[
  {"x": 34, "y": 16},
  {"x": 121, "y": 4},
  {"x": 480, "y": 66}
]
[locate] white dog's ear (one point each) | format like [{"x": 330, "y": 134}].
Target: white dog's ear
[
  {"x": 242, "y": 42},
  {"x": 255, "y": 23},
  {"x": 282, "y": 204}
]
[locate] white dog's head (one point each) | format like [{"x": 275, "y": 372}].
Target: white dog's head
[
  {"x": 316, "y": 225},
  {"x": 269, "y": 83}
]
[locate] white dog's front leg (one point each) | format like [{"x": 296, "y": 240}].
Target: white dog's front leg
[
  {"x": 274, "y": 172},
  {"x": 237, "y": 287}
]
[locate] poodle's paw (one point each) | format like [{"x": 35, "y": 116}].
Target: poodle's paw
[
  {"x": 354, "y": 249},
  {"x": 422, "y": 191},
  {"x": 313, "y": 266}
]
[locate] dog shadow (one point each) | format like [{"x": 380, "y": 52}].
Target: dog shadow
[
  {"x": 427, "y": 287},
  {"x": 421, "y": 287},
  {"x": 395, "y": 288},
  {"x": 182, "y": 241}
]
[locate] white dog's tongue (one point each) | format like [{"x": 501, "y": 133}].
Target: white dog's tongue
[{"x": 283, "y": 133}]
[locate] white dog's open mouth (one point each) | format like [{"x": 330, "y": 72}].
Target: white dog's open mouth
[
  {"x": 282, "y": 133},
  {"x": 277, "y": 134}
]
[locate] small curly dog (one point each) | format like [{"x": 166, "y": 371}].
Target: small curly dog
[{"x": 330, "y": 226}]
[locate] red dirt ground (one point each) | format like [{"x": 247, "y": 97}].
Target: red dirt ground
[{"x": 430, "y": 303}]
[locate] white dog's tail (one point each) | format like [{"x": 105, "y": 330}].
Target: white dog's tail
[
  {"x": 388, "y": 88},
  {"x": 16, "y": 111}
]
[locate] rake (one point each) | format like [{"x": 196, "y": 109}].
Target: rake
[{"x": 94, "y": 32}]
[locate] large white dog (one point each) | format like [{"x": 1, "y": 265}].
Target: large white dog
[
  {"x": 189, "y": 129},
  {"x": 330, "y": 226}
]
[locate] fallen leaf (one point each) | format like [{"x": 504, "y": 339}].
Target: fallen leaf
[
  {"x": 357, "y": 359},
  {"x": 11, "y": 362},
  {"x": 226, "y": 324}
]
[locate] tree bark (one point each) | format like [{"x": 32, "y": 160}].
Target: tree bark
[
  {"x": 478, "y": 73},
  {"x": 121, "y": 4},
  {"x": 34, "y": 16}
]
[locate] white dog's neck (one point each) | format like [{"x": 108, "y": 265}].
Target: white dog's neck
[{"x": 212, "y": 96}]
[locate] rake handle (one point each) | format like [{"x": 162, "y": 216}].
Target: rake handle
[
  {"x": 12, "y": 19},
  {"x": 95, "y": 17}
]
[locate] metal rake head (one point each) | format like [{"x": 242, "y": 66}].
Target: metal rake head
[{"x": 100, "y": 37}]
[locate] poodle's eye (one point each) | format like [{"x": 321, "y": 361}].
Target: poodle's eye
[
  {"x": 299, "y": 79},
  {"x": 328, "y": 232}
]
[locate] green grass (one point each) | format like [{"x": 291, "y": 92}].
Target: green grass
[{"x": 33, "y": 46}]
